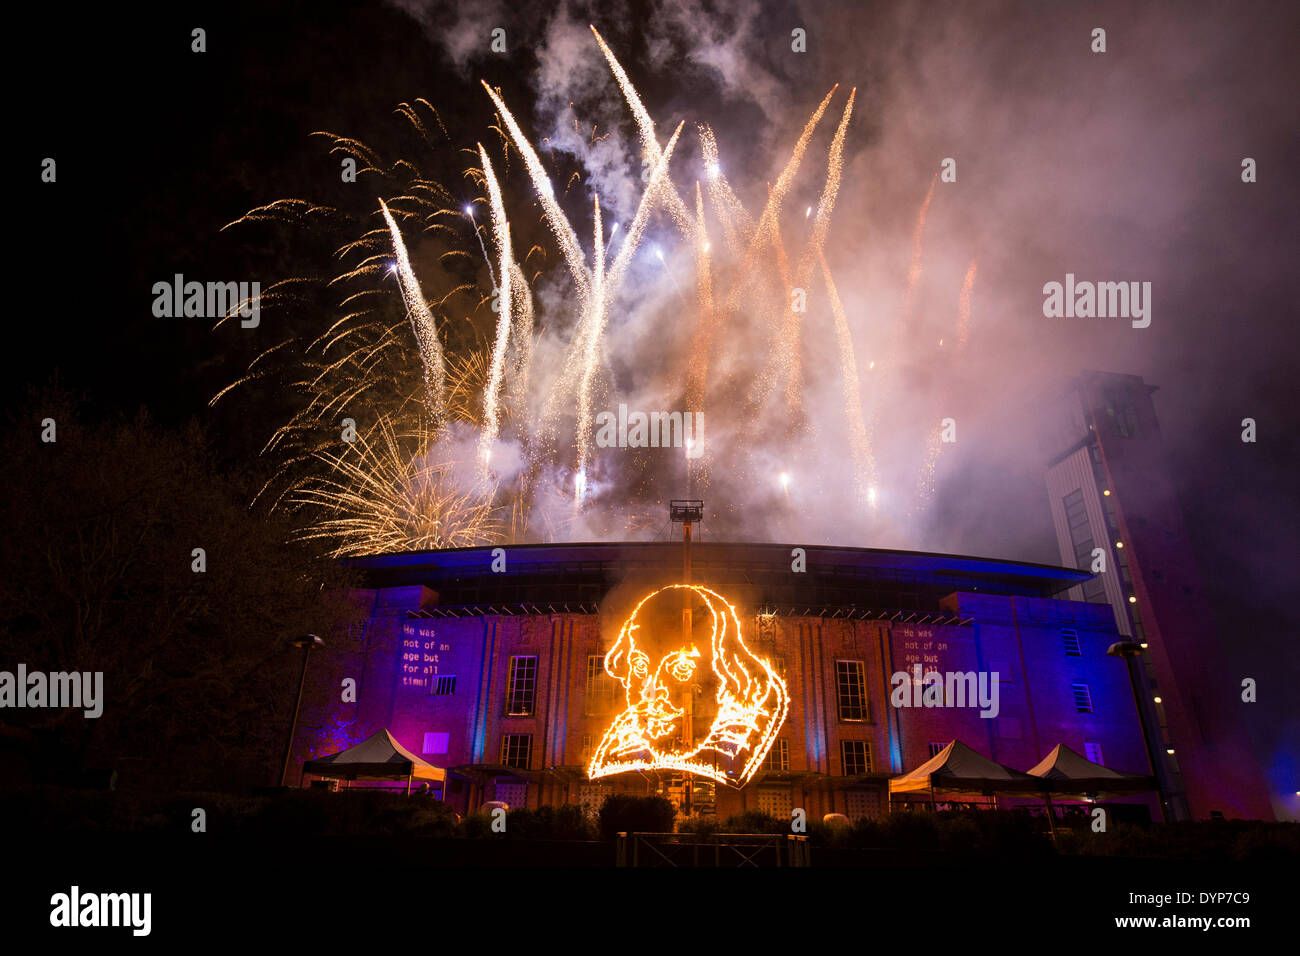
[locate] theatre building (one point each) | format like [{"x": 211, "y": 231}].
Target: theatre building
[
  {"x": 1113, "y": 498},
  {"x": 532, "y": 676}
]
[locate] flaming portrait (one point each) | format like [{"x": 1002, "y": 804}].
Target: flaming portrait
[{"x": 662, "y": 672}]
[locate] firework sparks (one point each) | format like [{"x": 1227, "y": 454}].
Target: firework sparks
[
  {"x": 601, "y": 301},
  {"x": 864, "y": 467},
  {"x": 426, "y": 332},
  {"x": 398, "y": 488},
  {"x": 925, "y": 479},
  {"x": 504, "y": 300},
  {"x": 650, "y": 151},
  {"x": 387, "y": 493},
  {"x": 565, "y": 237}
]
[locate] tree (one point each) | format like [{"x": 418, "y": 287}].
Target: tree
[{"x": 99, "y": 574}]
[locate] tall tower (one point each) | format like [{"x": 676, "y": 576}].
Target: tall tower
[{"x": 1112, "y": 499}]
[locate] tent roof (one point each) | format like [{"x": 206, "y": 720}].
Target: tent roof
[
  {"x": 959, "y": 768},
  {"x": 1067, "y": 772},
  {"x": 378, "y": 757}
]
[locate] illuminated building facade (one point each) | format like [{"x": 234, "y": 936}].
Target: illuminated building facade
[
  {"x": 501, "y": 676},
  {"x": 1112, "y": 497}
]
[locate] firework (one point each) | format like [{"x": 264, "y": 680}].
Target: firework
[
  {"x": 925, "y": 481},
  {"x": 864, "y": 466},
  {"x": 387, "y": 492},
  {"x": 424, "y": 470},
  {"x": 426, "y": 332},
  {"x": 504, "y": 298}
]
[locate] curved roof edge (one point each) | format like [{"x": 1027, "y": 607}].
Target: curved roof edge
[{"x": 826, "y": 557}]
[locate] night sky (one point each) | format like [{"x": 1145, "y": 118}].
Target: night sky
[{"x": 1124, "y": 165}]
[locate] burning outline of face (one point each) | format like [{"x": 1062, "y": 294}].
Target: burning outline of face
[{"x": 752, "y": 703}]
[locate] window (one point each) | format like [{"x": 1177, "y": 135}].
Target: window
[
  {"x": 600, "y": 686},
  {"x": 936, "y": 749},
  {"x": 516, "y": 749},
  {"x": 856, "y": 755},
  {"x": 435, "y": 743},
  {"x": 1092, "y": 751},
  {"x": 1070, "y": 637},
  {"x": 1076, "y": 518},
  {"x": 357, "y": 630},
  {"x": 1082, "y": 698},
  {"x": 778, "y": 758},
  {"x": 850, "y": 683},
  {"x": 1123, "y": 416},
  {"x": 442, "y": 685},
  {"x": 522, "y": 692},
  {"x": 778, "y": 665}
]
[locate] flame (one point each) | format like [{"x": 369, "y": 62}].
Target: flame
[{"x": 752, "y": 703}]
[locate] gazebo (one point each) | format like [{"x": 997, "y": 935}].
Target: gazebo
[
  {"x": 1065, "y": 773},
  {"x": 957, "y": 770},
  {"x": 378, "y": 757}
]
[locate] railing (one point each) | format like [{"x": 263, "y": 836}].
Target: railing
[{"x": 720, "y": 849}]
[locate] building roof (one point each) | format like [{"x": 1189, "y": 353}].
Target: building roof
[
  {"x": 758, "y": 573},
  {"x": 959, "y": 769}
]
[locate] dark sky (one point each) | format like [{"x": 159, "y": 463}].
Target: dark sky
[{"x": 1123, "y": 165}]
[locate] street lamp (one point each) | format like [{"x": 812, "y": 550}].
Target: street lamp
[
  {"x": 306, "y": 642},
  {"x": 1129, "y": 651}
]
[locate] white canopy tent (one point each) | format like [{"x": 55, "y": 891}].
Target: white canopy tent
[
  {"x": 1065, "y": 773},
  {"x": 957, "y": 770},
  {"x": 378, "y": 757}
]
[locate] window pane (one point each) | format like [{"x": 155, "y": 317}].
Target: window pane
[
  {"x": 442, "y": 685},
  {"x": 516, "y": 749},
  {"x": 600, "y": 686},
  {"x": 521, "y": 695},
  {"x": 778, "y": 758},
  {"x": 851, "y": 686},
  {"x": 856, "y": 757}
]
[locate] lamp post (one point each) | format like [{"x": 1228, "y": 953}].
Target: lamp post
[
  {"x": 306, "y": 642},
  {"x": 1129, "y": 652},
  {"x": 687, "y": 511}
]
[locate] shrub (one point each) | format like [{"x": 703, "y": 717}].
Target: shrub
[
  {"x": 911, "y": 830},
  {"x": 565, "y": 822},
  {"x": 701, "y": 826},
  {"x": 755, "y": 821},
  {"x": 477, "y": 826},
  {"x": 622, "y": 812}
]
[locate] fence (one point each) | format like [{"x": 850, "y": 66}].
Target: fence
[{"x": 719, "y": 849}]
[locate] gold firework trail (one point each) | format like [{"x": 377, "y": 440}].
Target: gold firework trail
[{"x": 426, "y": 331}]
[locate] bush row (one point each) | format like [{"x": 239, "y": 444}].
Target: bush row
[{"x": 306, "y": 813}]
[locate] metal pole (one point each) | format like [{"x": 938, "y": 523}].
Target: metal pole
[
  {"x": 1130, "y": 661},
  {"x": 688, "y": 730},
  {"x": 1128, "y": 652},
  {"x": 297, "y": 705}
]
